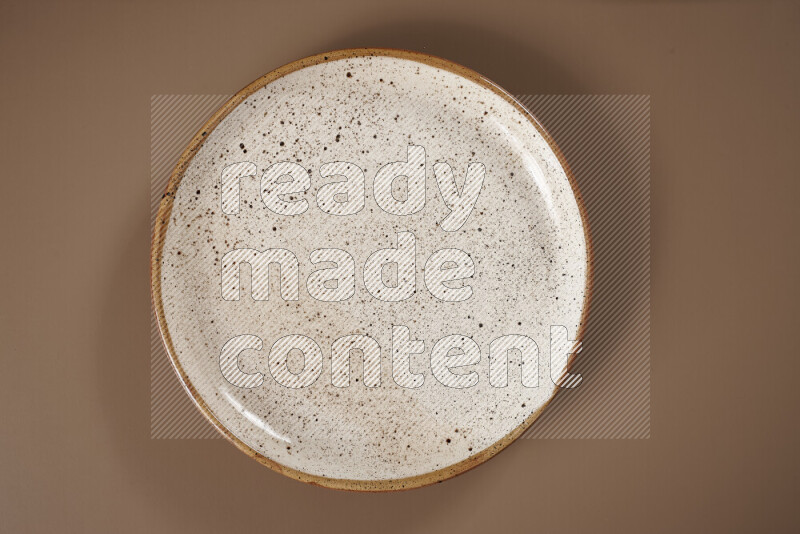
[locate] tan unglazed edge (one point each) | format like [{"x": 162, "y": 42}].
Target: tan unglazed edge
[{"x": 162, "y": 223}]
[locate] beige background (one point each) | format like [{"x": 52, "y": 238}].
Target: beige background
[{"x": 74, "y": 144}]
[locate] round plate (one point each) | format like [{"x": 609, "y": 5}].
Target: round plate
[{"x": 367, "y": 268}]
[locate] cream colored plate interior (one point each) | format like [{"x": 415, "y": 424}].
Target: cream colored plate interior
[{"x": 524, "y": 238}]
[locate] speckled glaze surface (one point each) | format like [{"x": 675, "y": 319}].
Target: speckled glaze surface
[{"x": 525, "y": 237}]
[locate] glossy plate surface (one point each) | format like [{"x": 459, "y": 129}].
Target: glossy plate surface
[{"x": 255, "y": 347}]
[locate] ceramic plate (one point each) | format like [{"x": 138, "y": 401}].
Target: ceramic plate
[{"x": 370, "y": 268}]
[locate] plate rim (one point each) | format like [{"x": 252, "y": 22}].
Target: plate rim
[{"x": 161, "y": 225}]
